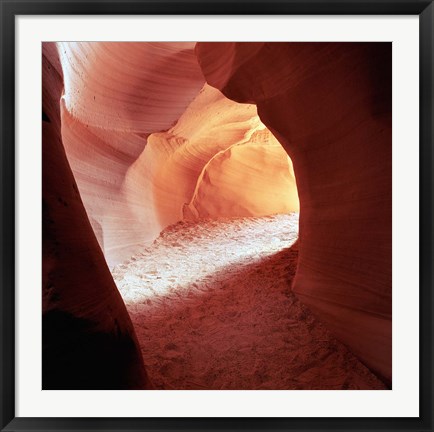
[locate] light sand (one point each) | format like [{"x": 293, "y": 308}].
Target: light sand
[{"x": 212, "y": 308}]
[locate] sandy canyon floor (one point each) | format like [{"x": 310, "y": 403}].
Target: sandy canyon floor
[{"x": 212, "y": 308}]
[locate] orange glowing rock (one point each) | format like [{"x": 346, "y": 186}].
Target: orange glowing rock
[
  {"x": 254, "y": 178},
  {"x": 153, "y": 133},
  {"x": 141, "y": 132},
  {"x": 115, "y": 95}
]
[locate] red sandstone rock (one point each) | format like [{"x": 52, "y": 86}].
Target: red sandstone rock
[
  {"x": 148, "y": 148},
  {"x": 88, "y": 339},
  {"x": 135, "y": 87},
  {"x": 248, "y": 179},
  {"x": 329, "y": 104},
  {"x": 217, "y": 161},
  {"x": 136, "y": 179},
  {"x": 116, "y": 94}
]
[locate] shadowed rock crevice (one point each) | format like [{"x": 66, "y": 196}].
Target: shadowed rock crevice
[
  {"x": 88, "y": 339},
  {"x": 138, "y": 137},
  {"x": 69, "y": 361},
  {"x": 329, "y": 105}
]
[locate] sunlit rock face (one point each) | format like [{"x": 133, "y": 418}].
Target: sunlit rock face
[
  {"x": 149, "y": 144},
  {"x": 115, "y": 95},
  {"x": 134, "y": 87},
  {"x": 219, "y": 161},
  {"x": 329, "y": 104},
  {"x": 88, "y": 339},
  {"x": 249, "y": 179},
  {"x": 153, "y": 133}
]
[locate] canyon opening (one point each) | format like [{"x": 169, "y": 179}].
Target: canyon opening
[{"x": 217, "y": 216}]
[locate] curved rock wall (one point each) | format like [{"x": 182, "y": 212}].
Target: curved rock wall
[
  {"x": 329, "y": 104},
  {"x": 130, "y": 87},
  {"x": 139, "y": 127},
  {"x": 150, "y": 144},
  {"x": 217, "y": 161},
  {"x": 116, "y": 94},
  {"x": 248, "y": 179},
  {"x": 88, "y": 339}
]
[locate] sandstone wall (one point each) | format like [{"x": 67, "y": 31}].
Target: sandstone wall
[{"x": 329, "y": 105}]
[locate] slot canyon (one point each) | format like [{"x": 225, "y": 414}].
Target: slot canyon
[{"x": 216, "y": 216}]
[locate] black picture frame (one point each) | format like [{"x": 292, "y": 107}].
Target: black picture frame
[{"x": 10, "y": 9}]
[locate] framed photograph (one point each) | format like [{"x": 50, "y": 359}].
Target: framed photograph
[{"x": 217, "y": 216}]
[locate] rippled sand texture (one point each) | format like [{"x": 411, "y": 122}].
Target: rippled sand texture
[{"x": 212, "y": 308}]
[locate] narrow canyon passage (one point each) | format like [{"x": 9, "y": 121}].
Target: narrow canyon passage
[
  {"x": 212, "y": 308},
  {"x": 173, "y": 175}
]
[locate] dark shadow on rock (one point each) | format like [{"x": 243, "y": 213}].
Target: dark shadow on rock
[{"x": 77, "y": 356}]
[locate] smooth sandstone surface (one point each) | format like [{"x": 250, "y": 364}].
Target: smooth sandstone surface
[
  {"x": 135, "y": 87},
  {"x": 116, "y": 95},
  {"x": 88, "y": 338},
  {"x": 329, "y": 105},
  {"x": 217, "y": 161},
  {"x": 144, "y": 135},
  {"x": 138, "y": 136},
  {"x": 250, "y": 179}
]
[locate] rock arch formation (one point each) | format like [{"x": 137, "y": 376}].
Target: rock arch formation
[{"x": 329, "y": 104}]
